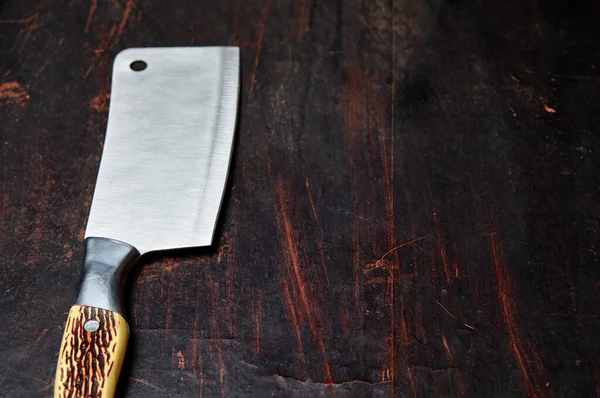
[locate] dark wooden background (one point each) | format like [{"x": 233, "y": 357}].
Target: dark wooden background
[{"x": 413, "y": 208}]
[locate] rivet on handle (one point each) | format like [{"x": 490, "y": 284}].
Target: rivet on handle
[{"x": 91, "y": 325}]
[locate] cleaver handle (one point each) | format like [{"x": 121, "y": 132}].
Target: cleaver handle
[
  {"x": 91, "y": 353},
  {"x": 96, "y": 333}
]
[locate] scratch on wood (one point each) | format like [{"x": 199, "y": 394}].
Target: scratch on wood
[
  {"x": 508, "y": 307},
  {"x": 234, "y": 31},
  {"x": 293, "y": 259},
  {"x": 146, "y": 383},
  {"x": 406, "y": 244},
  {"x": 356, "y": 263},
  {"x": 261, "y": 30},
  {"x": 292, "y": 312},
  {"x": 352, "y": 115},
  {"x": 295, "y": 274},
  {"x": 303, "y": 19},
  {"x": 429, "y": 196},
  {"x": 549, "y": 109},
  {"x": 212, "y": 287},
  {"x": 445, "y": 309},
  {"x": 221, "y": 369},
  {"x": 319, "y": 242},
  {"x": 381, "y": 263},
  {"x": 230, "y": 281},
  {"x": 49, "y": 59},
  {"x": 345, "y": 322},
  {"x": 31, "y": 23},
  {"x": 93, "y": 7},
  {"x": 196, "y": 351},
  {"x": 110, "y": 40},
  {"x": 104, "y": 44},
  {"x": 312, "y": 204},
  {"x": 41, "y": 335},
  {"x": 27, "y": 20},
  {"x": 256, "y": 315},
  {"x": 410, "y": 377},
  {"x": 440, "y": 244},
  {"x": 448, "y": 353},
  {"x": 168, "y": 267},
  {"x": 128, "y": 8},
  {"x": 201, "y": 370}
]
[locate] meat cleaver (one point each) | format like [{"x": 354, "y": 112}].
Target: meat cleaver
[{"x": 161, "y": 180}]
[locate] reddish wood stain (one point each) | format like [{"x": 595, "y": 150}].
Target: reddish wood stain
[
  {"x": 100, "y": 102},
  {"x": 14, "y": 92}
]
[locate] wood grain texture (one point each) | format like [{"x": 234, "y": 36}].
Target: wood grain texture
[
  {"x": 89, "y": 362},
  {"x": 412, "y": 208}
]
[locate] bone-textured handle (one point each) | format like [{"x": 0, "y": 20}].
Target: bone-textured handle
[{"x": 91, "y": 354}]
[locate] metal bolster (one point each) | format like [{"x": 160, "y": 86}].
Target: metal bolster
[{"x": 105, "y": 267}]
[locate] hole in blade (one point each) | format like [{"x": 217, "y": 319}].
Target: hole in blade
[{"x": 138, "y": 66}]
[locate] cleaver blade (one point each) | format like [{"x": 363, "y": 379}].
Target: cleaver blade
[{"x": 167, "y": 149}]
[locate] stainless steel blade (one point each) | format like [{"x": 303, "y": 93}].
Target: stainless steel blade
[{"x": 167, "y": 149}]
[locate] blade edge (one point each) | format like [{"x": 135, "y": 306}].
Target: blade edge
[{"x": 225, "y": 132}]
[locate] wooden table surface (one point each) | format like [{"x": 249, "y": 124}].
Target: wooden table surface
[{"x": 413, "y": 208}]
